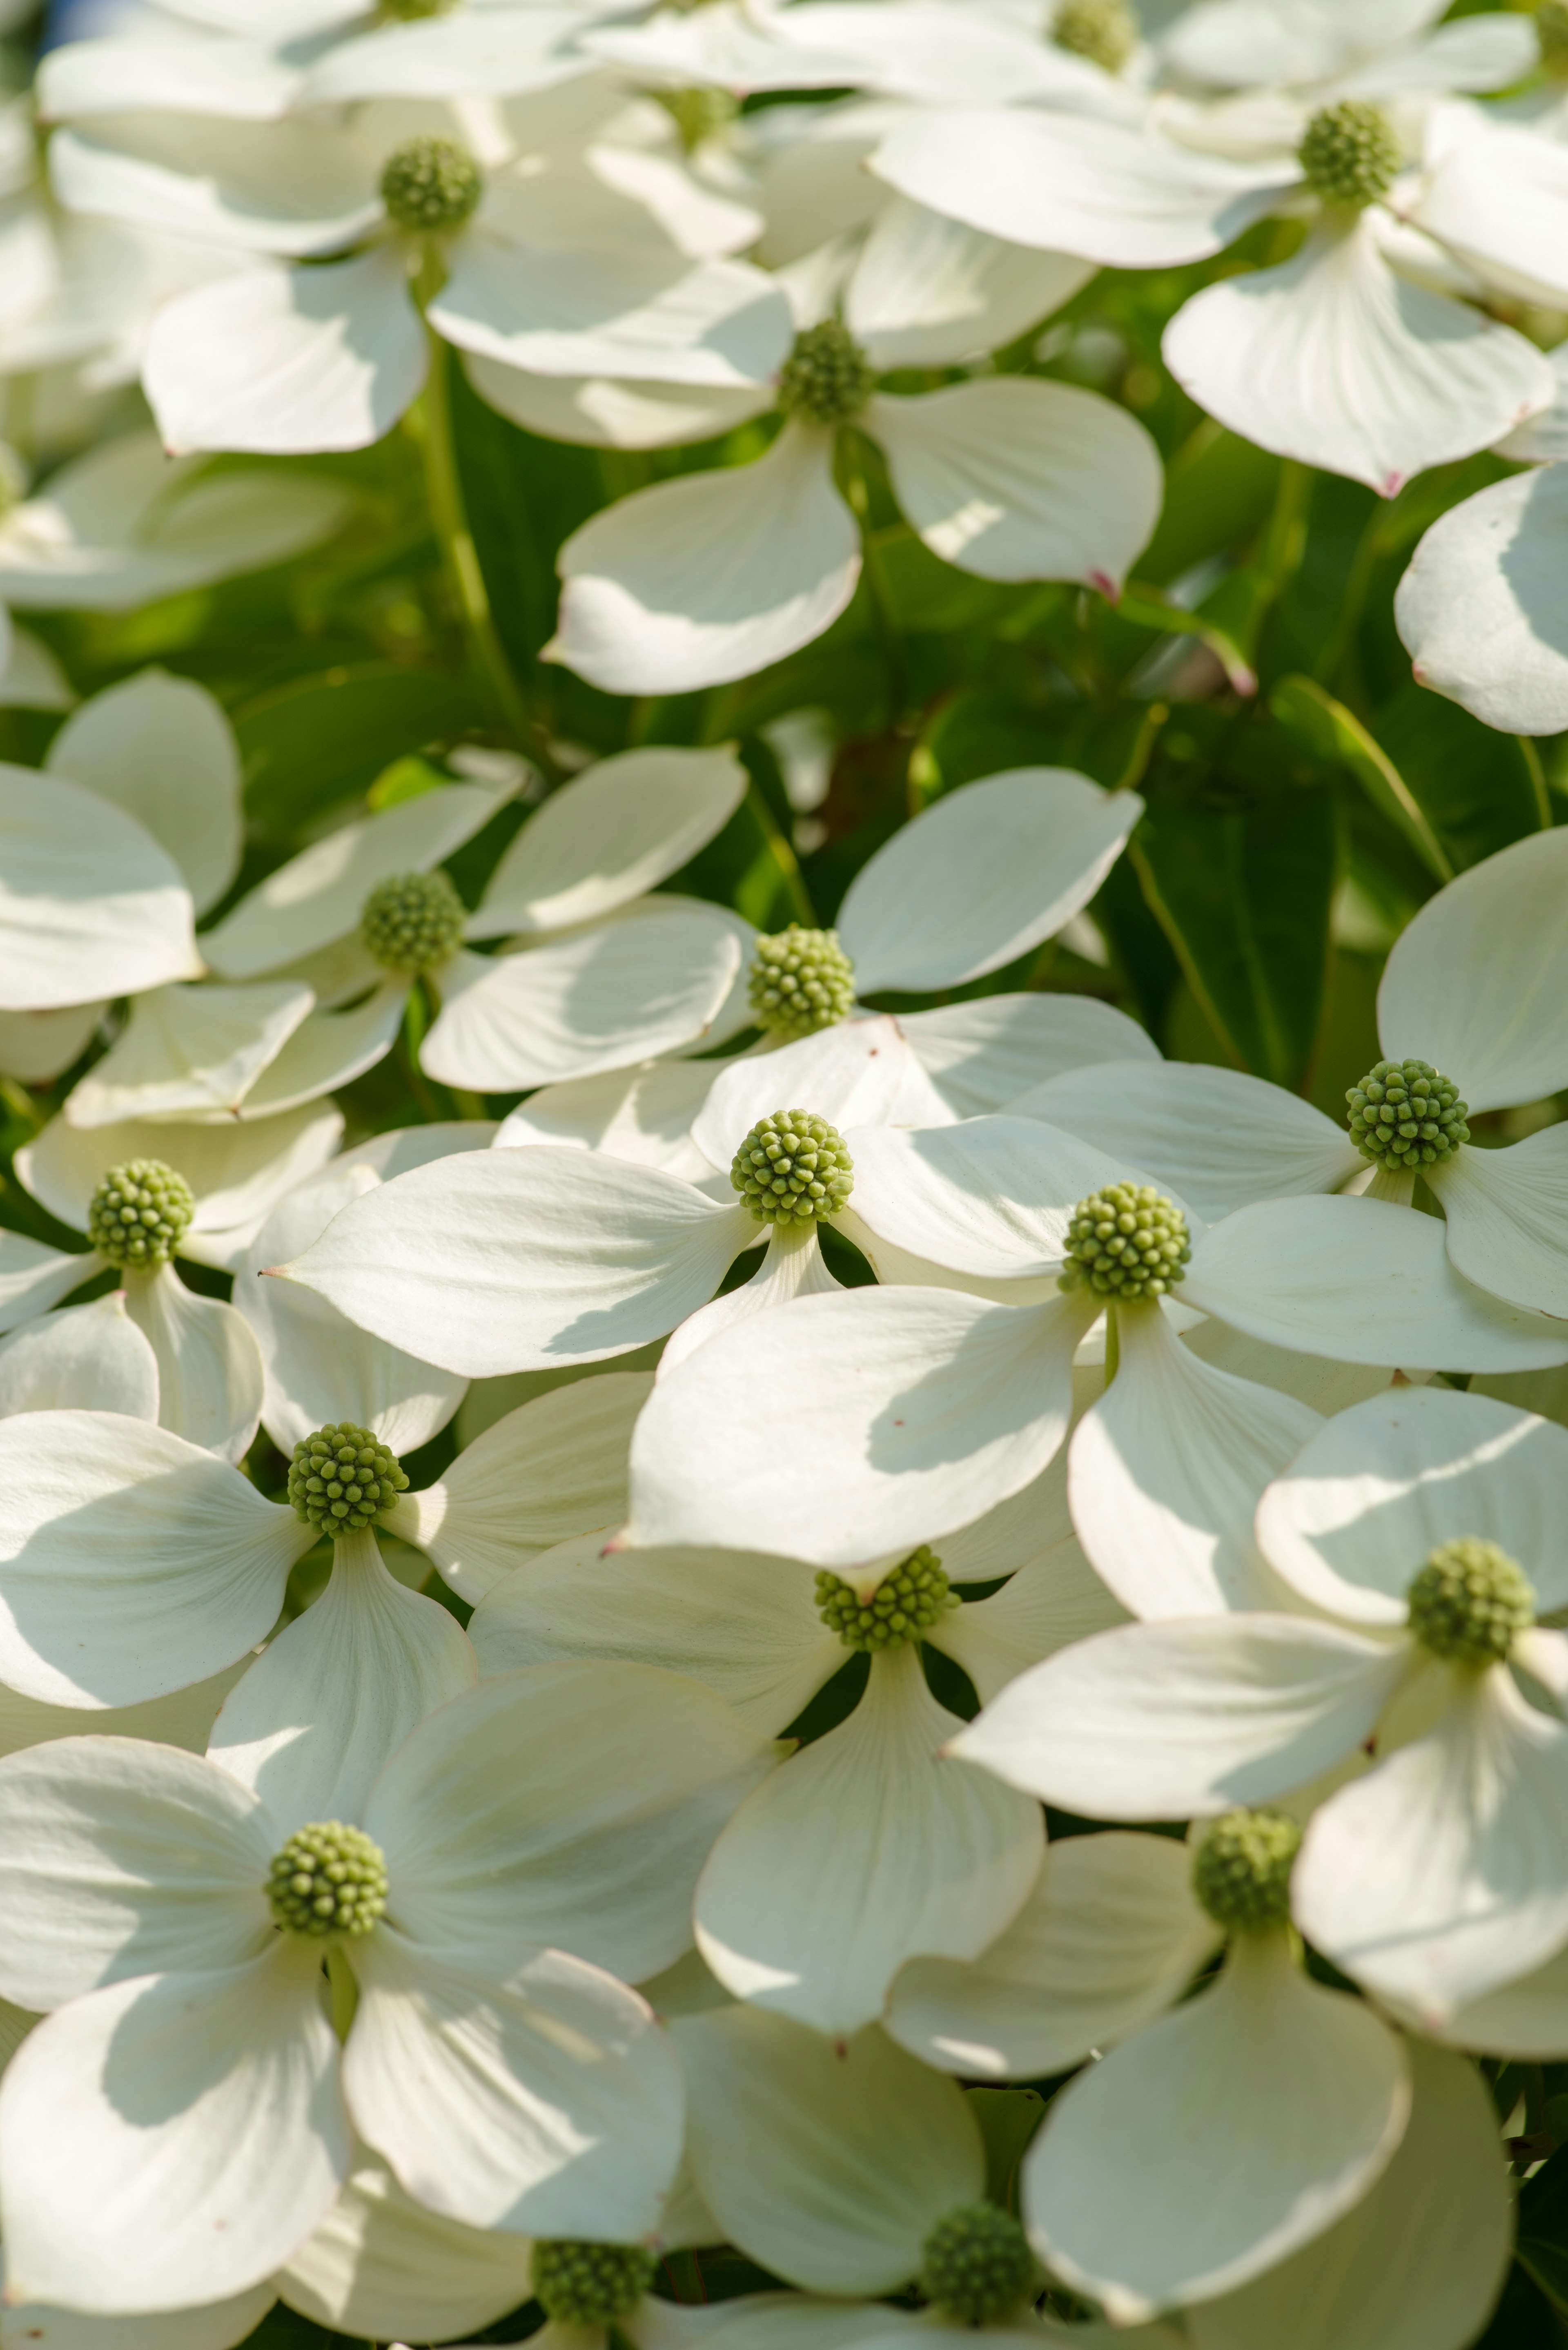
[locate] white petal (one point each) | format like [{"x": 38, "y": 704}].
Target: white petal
[
  {"x": 161, "y": 748},
  {"x": 891, "y": 1417},
  {"x": 865, "y": 1850},
  {"x": 1048, "y": 1603},
  {"x": 1444, "y": 1873},
  {"x": 183, "y": 1718},
  {"x": 1110, "y": 1937},
  {"x": 1185, "y": 1720},
  {"x": 90, "y": 905},
  {"x": 1361, "y": 1280},
  {"x": 643, "y": 1114},
  {"x": 175, "y": 74},
  {"x": 709, "y": 577},
  {"x": 1110, "y": 2212},
  {"x": 551, "y": 1470},
  {"x": 1336, "y": 359},
  {"x": 1327, "y": 1386},
  {"x": 605, "y": 413},
  {"x": 982, "y": 877},
  {"x": 982, "y": 1055},
  {"x": 1218, "y": 1139},
  {"x": 746, "y": 1625},
  {"x": 927, "y": 292},
  {"x": 501, "y": 52},
  {"x": 32, "y": 1278},
  {"x": 1379, "y": 1487},
  {"x": 39, "y": 1047},
  {"x": 1074, "y": 185},
  {"x": 32, "y": 678},
  {"x": 296, "y": 187},
  {"x": 490, "y": 1841},
  {"x": 827, "y": 2164},
  {"x": 1498, "y": 198},
  {"x": 328, "y": 1050},
  {"x": 651, "y": 316},
  {"x": 1164, "y": 1473},
  {"x": 1417, "y": 2264},
  {"x": 131, "y": 1562},
  {"x": 1481, "y": 609},
  {"x": 235, "y": 1172},
  {"x": 614, "y": 831},
  {"x": 612, "y": 995},
  {"x": 792, "y": 1267},
  {"x": 1477, "y": 972},
  {"x": 197, "y": 2117},
  {"x": 518, "y": 2090},
  {"x": 1234, "y": 42},
  {"x": 854, "y": 1074},
  {"x": 380, "y": 2264},
  {"x": 219, "y": 2325},
  {"x": 88, "y": 1359},
  {"x": 1015, "y": 479},
  {"x": 187, "y": 1051},
  {"x": 122, "y": 1859},
  {"x": 209, "y": 1364},
  {"x": 992, "y": 1196},
  {"x": 334, "y": 1696},
  {"x": 317, "y": 896},
  {"x": 1528, "y": 2018}
]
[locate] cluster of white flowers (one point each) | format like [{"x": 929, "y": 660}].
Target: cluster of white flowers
[{"x": 970, "y": 1734}]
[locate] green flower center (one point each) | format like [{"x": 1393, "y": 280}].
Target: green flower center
[
  {"x": 698, "y": 114},
  {"x": 342, "y": 1477},
  {"x": 590, "y": 2285},
  {"x": 792, "y": 1169},
  {"x": 409, "y": 12},
  {"x": 976, "y": 2265},
  {"x": 412, "y": 922},
  {"x": 801, "y": 980},
  {"x": 1103, "y": 31},
  {"x": 1350, "y": 155},
  {"x": 1127, "y": 1242},
  {"x": 1551, "y": 32},
  {"x": 828, "y": 375},
  {"x": 1241, "y": 1873},
  {"x": 905, "y": 1604},
  {"x": 1403, "y": 1116},
  {"x": 1469, "y": 1602},
  {"x": 139, "y": 1214},
  {"x": 329, "y": 1878},
  {"x": 431, "y": 184}
]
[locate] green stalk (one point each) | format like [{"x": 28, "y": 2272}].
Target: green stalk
[{"x": 784, "y": 856}]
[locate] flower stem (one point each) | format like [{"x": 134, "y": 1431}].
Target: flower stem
[
  {"x": 345, "y": 1992},
  {"x": 1112, "y": 1344},
  {"x": 783, "y": 854}
]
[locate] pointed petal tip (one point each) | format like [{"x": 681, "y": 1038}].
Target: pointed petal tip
[{"x": 1106, "y": 586}]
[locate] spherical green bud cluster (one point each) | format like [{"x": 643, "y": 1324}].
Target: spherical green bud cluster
[
  {"x": 827, "y": 377},
  {"x": 1551, "y": 32},
  {"x": 905, "y": 1604},
  {"x": 1350, "y": 154},
  {"x": 801, "y": 980},
  {"x": 1403, "y": 1116},
  {"x": 431, "y": 184},
  {"x": 792, "y": 1169},
  {"x": 1127, "y": 1242},
  {"x": 327, "y": 1879},
  {"x": 697, "y": 113},
  {"x": 1242, "y": 1870},
  {"x": 1469, "y": 1602},
  {"x": 139, "y": 1214},
  {"x": 1103, "y": 31},
  {"x": 590, "y": 2285},
  {"x": 976, "y": 2265},
  {"x": 342, "y": 1477},
  {"x": 412, "y": 922}
]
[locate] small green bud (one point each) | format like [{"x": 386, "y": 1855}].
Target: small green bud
[
  {"x": 412, "y": 922},
  {"x": 327, "y": 1879},
  {"x": 801, "y": 980},
  {"x": 976, "y": 2266},
  {"x": 827, "y": 376},
  {"x": 698, "y": 114},
  {"x": 1350, "y": 154},
  {"x": 906, "y": 1602},
  {"x": 590, "y": 2285},
  {"x": 1127, "y": 1242},
  {"x": 1469, "y": 1602},
  {"x": 431, "y": 184},
  {"x": 342, "y": 1477},
  {"x": 792, "y": 1169},
  {"x": 139, "y": 1214},
  {"x": 1405, "y": 1116},
  {"x": 1242, "y": 1872},
  {"x": 1103, "y": 31}
]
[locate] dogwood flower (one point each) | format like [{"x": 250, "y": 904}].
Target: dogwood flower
[
  {"x": 509, "y": 2080},
  {"x": 1240, "y": 45},
  {"x": 598, "y": 980},
  {"x": 1417, "y": 1527},
  {"x": 714, "y": 575},
  {"x": 866, "y": 1848}
]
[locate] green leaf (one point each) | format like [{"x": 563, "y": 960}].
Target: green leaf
[
  {"x": 308, "y": 746},
  {"x": 1146, "y": 608},
  {"x": 1244, "y": 894},
  {"x": 1329, "y": 732},
  {"x": 405, "y": 779},
  {"x": 1476, "y": 787}
]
